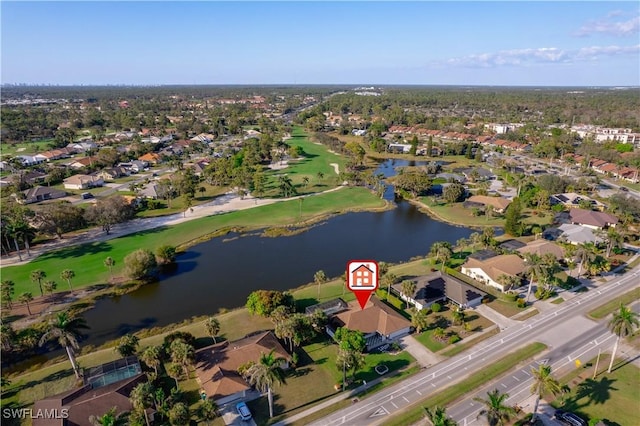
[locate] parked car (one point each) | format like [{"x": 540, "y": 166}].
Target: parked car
[
  {"x": 86, "y": 195},
  {"x": 243, "y": 411},
  {"x": 568, "y": 418}
]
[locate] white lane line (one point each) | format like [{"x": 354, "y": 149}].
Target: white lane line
[
  {"x": 405, "y": 398},
  {"x": 516, "y": 378},
  {"x": 392, "y": 403},
  {"x": 419, "y": 393}
]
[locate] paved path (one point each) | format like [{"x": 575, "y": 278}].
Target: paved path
[
  {"x": 223, "y": 204},
  {"x": 424, "y": 356},
  {"x": 495, "y": 317}
]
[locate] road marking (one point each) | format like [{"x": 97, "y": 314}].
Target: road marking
[
  {"x": 379, "y": 412},
  {"x": 503, "y": 385},
  {"x": 419, "y": 393},
  {"x": 449, "y": 377},
  {"x": 405, "y": 398},
  {"x": 433, "y": 384},
  {"x": 515, "y": 378},
  {"x": 394, "y": 404}
]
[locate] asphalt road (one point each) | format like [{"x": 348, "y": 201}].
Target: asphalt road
[{"x": 547, "y": 326}]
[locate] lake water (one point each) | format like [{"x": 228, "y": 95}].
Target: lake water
[{"x": 221, "y": 273}]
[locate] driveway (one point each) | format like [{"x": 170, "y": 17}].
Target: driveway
[
  {"x": 497, "y": 318},
  {"x": 231, "y": 417},
  {"x": 417, "y": 350}
]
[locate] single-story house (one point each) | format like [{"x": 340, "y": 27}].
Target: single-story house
[
  {"x": 40, "y": 193},
  {"x": 82, "y": 182},
  {"x": 489, "y": 271},
  {"x": 150, "y": 191},
  {"x": 480, "y": 172},
  {"x": 402, "y": 148},
  {"x": 105, "y": 387},
  {"x": 379, "y": 322},
  {"x": 83, "y": 146},
  {"x": 592, "y": 219},
  {"x": 135, "y": 166},
  {"x": 438, "y": 286},
  {"x": 451, "y": 177},
  {"x": 542, "y": 247},
  {"x": 150, "y": 158},
  {"x": 217, "y": 366},
  {"x": 112, "y": 173},
  {"x": 575, "y": 234},
  {"x": 83, "y": 162},
  {"x": 499, "y": 204}
]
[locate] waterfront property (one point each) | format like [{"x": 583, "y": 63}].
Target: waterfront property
[
  {"x": 217, "y": 366},
  {"x": 489, "y": 271},
  {"x": 379, "y": 322},
  {"x": 105, "y": 387},
  {"x": 438, "y": 287}
]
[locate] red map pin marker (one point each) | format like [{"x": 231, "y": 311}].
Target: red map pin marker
[{"x": 362, "y": 279}]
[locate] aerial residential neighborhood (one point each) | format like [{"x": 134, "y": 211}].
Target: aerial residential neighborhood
[{"x": 320, "y": 213}]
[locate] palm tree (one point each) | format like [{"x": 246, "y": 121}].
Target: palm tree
[
  {"x": 66, "y": 329},
  {"x": 182, "y": 354},
  {"x": 585, "y": 254},
  {"x": 497, "y": 413},
  {"x": 151, "y": 357},
  {"x": 68, "y": 275},
  {"x": 441, "y": 250},
  {"x": 408, "y": 288},
  {"x": 509, "y": 281},
  {"x": 141, "y": 398},
  {"x": 438, "y": 417},
  {"x": 109, "y": 263},
  {"x": 213, "y": 327},
  {"x": 389, "y": 279},
  {"x": 49, "y": 286},
  {"x": 265, "y": 374},
  {"x": 7, "y": 288},
  {"x": 320, "y": 278},
  {"x": 26, "y": 298},
  {"x": 320, "y": 175},
  {"x": 37, "y": 276},
  {"x": 543, "y": 383},
  {"x": 458, "y": 316},
  {"x": 208, "y": 410},
  {"x": 110, "y": 418},
  {"x": 535, "y": 269},
  {"x": 622, "y": 325},
  {"x": 305, "y": 181},
  {"x": 614, "y": 239}
]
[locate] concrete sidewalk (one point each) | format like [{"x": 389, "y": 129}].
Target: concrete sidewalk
[
  {"x": 497, "y": 318},
  {"x": 424, "y": 356}
]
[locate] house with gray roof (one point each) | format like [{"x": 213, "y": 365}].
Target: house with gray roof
[{"x": 438, "y": 287}]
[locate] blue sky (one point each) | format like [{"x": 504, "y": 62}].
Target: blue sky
[{"x": 461, "y": 43}]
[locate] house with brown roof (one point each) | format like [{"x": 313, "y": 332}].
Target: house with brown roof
[
  {"x": 489, "y": 271},
  {"x": 100, "y": 393},
  {"x": 377, "y": 321},
  {"x": 592, "y": 219},
  {"x": 499, "y": 204},
  {"x": 151, "y": 158},
  {"x": 83, "y": 162},
  {"x": 437, "y": 287},
  {"x": 217, "y": 366}
]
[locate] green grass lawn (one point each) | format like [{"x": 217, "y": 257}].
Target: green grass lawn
[
  {"x": 477, "y": 324},
  {"x": 317, "y": 158},
  {"x": 447, "y": 395},
  {"x": 313, "y": 381},
  {"x": 25, "y": 148},
  {"x": 87, "y": 259},
  {"x": 613, "y": 398},
  {"x": 607, "y": 308}
]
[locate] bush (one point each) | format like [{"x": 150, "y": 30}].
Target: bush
[
  {"x": 165, "y": 254},
  {"x": 140, "y": 264},
  {"x": 510, "y": 297},
  {"x": 436, "y": 307},
  {"x": 522, "y": 303},
  {"x": 454, "y": 338},
  {"x": 188, "y": 338}
]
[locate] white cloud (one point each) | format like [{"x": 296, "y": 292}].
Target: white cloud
[
  {"x": 611, "y": 26},
  {"x": 541, "y": 55}
]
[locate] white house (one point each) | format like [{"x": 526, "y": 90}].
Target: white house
[
  {"x": 82, "y": 182},
  {"x": 488, "y": 271}
]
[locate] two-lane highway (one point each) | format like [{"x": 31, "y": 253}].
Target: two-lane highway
[{"x": 382, "y": 405}]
